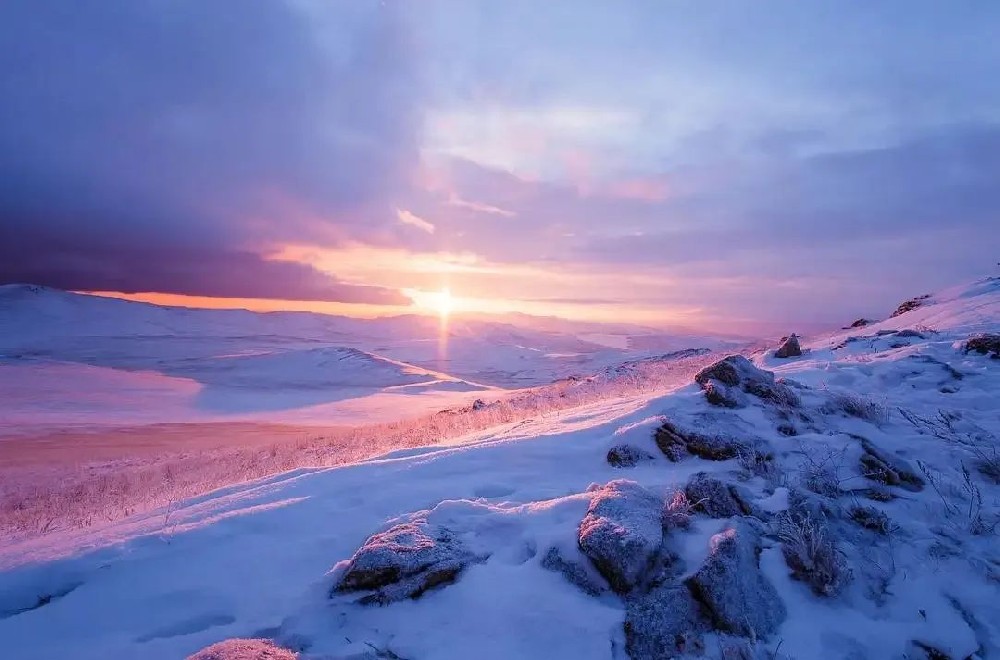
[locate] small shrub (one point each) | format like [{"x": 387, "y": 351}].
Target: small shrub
[
  {"x": 821, "y": 475},
  {"x": 871, "y": 518},
  {"x": 950, "y": 427},
  {"x": 880, "y": 493},
  {"x": 811, "y": 553},
  {"x": 758, "y": 463},
  {"x": 962, "y": 502},
  {"x": 678, "y": 511},
  {"x": 856, "y": 405}
]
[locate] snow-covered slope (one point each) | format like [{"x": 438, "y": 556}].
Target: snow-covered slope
[
  {"x": 854, "y": 517},
  {"x": 73, "y": 359}
]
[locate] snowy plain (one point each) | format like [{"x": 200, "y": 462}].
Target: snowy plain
[{"x": 257, "y": 559}]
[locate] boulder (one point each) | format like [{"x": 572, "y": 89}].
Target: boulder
[
  {"x": 789, "y": 347},
  {"x": 406, "y": 561},
  {"x": 622, "y": 532},
  {"x": 726, "y": 380},
  {"x": 984, "y": 344},
  {"x": 624, "y": 456},
  {"x": 730, "y": 586},
  {"x": 676, "y": 443},
  {"x": 244, "y": 649},
  {"x": 666, "y": 622},
  {"x": 712, "y": 497}
]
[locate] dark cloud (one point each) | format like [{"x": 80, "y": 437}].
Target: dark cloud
[
  {"x": 208, "y": 128},
  {"x": 67, "y": 264}
]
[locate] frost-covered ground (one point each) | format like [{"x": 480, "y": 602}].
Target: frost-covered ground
[{"x": 847, "y": 511}]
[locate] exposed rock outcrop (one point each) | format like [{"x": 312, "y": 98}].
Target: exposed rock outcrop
[
  {"x": 731, "y": 587},
  {"x": 789, "y": 347},
  {"x": 405, "y": 562},
  {"x": 676, "y": 443},
  {"x": 984, "y": 344},
  {"x": 622, "y": 532},
  {"x": 910, "y": 305}
]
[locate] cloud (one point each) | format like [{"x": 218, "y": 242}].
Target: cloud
[
  {"x": 131, "y": 123},
  {"x": 408, "y": 218},
  {"x": 455, "y": 200},
  {"x": 67, "y": 264}
]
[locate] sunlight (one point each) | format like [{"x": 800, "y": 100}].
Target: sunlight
[{"x": 444, "y": 303}]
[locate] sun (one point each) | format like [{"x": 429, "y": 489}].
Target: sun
[{"x": 444, "y": 303}]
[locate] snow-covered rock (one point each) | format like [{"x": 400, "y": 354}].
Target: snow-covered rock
[
  {"x": 666, "y": 622},
  {"x": 244, "y": 649},
  {"x": 730, "y": 585},
  {"x": 676, "y": 442},
  {"x": 625, "y": 455},
  {"x": 725, "y": 381},
  {"x": 404, "y": 562},
  {"x": 576, "y": 572},
  {"x": 789, "y": 347},
  {"x": 984, "y": 343},
  {"x": 712, "y": 497},
  {"x": 622, "y": 532}
]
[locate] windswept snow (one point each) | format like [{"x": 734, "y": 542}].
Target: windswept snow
[{"x": 255, "y": 561}]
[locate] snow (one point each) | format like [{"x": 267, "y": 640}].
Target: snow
[
  {"x": 69, "y": 359},
  {"x": 255, "y": 560}
]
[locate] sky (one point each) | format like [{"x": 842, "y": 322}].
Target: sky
[{"x": 718, "y": 165}]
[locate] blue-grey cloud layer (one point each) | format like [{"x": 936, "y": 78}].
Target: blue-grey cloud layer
[
  {"x": 170, "y": 128},
  {"x": 853, "y": 146}
]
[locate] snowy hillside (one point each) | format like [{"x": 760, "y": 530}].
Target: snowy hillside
[
  {"x": 73, "y": 359},
  {"x": 843, "y": 506}
]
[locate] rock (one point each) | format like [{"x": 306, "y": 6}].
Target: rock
[
  {"x": 676, "y": 443},
  {"x": 726, "y": 396},
  {"x": 910, "y": 333},
  {"x": 406, "y": 561},
  {"x": 710, "y": 496},
  {"x": 664, "y": 623},
  {"x": 623, "y": 455},
  {"x": 984, "y": 344},
  {"x": 887, "y": 469},
  {"x": 478, "y": 404},
  {"x": 725, "y": 380},
  {"x": 622, "y": 532},
  {"x": 731, "y": 587},
  {"x": 910, "y": 305},
  {"x": 244, "y": 649},
  {"x": 575, "y": 572},
  {"x": 860, "y": 323},
  {"x": 789, "y": 347}
]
